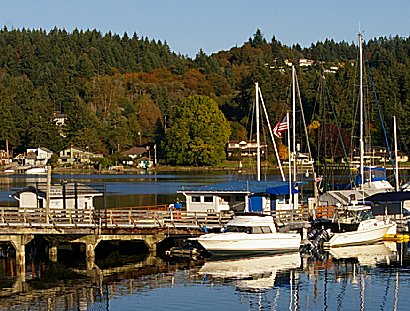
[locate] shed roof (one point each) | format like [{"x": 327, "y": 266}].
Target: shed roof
[
  {"x": 56, "y": 191},
  {"x": 243, "y": 187}
]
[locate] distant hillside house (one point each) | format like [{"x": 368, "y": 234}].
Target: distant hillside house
[
  {"x": 77, "y": 155},
  {"x": 59, "y": 118},
  {"x": 37, "y": 156},
  {"x": 243, "y": 149},
  {"x": 62, "y": 196},
  {"x": 303, "y": 62}
]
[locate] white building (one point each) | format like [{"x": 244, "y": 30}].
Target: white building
[
  {"x": 37, "y": 156},
  {"x": 73, "y": 154},
  {"x": 62, "y": 196},
  {"x": 239, "y": 196}
]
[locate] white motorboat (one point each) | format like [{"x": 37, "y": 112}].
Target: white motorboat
[
  {"x": 356, "y": 225},
  {"x": 251, "y": 233},
  {"x": 36, "y": 170}
]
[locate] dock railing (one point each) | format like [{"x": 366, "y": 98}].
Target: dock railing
[
  {"x": 132, "y": 217},
  {"x": 109, "y": 218},
  {"x": 39, "y": 217}
]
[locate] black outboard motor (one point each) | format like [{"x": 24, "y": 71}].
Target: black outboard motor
[{"x": 316, "y": 238}]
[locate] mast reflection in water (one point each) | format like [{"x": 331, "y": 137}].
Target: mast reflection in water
[{"x": 351, "y": 278}]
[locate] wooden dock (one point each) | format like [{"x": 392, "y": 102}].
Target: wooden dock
[{"x": 19, "y": 226}]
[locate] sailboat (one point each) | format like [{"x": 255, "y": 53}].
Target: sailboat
[
  {"x": 248, "y": 233},
  {"x": 353, "y": 222},
  {"x": 370, "y": 179}
]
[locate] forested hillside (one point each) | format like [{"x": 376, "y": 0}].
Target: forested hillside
[{"x": 121, "y": 91}]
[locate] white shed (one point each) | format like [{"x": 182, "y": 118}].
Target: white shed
[{"x": 62, "y": 196}]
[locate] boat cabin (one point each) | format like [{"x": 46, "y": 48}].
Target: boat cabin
[
  {"x": 240, "y": 196},
  {"x": 62, "y": 196}
]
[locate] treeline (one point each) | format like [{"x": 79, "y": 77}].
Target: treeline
[{"x": 121, "y": 91}]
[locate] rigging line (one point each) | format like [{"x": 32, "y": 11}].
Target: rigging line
[
  {"x": 303, "y": 117},
  {"x": 380, "y": 112},
  {"x": 271, "y": 134},
  {"x": 340, "y": 133},
  {"x": 251, "y": 115}
]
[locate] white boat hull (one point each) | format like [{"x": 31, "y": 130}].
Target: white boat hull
[
  {"x": 237, "y": 243},
  {"x": 36, "y": 171},
  {"x": 366, "y": 236}
]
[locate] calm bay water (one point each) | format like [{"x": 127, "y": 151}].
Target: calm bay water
[
  {"x": 374, "y": 277},
  {"x": 378, "y": 279}
]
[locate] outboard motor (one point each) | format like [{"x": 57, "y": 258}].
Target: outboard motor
[{"x": 316, "y": 237}]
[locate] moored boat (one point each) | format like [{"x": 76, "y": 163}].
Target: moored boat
[
  {"x": 36, "y": 170},
  {"x": 249, "y": 234},
  {"x": 356, "y": 225}
]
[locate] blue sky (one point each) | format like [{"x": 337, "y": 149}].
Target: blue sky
[{"x": 214, "y": 25}]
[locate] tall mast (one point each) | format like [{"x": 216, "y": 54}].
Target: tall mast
[
  {"x": 290, "y": 171},
  {"x": 396, "y": 164},
  {"x": 361, "y": 112},
  {"x": 294, "y": 121},
  {"x": 258, "y": 145}
]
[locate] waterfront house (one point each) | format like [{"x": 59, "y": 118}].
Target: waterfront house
[
  {"x": 77, "y": 155},
  {"x": 136, "y": 152},
  {"x": 62, "y": 196},
  {"x": 243, "y": 149},
  {"x": 140, "y": 153},
  {"x": 239, "y": 196},
  {"x": 37, "y": 156}
]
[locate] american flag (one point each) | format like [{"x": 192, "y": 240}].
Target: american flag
[{"x": 280, "y": 127}]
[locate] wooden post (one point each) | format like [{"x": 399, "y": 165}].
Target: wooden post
[
  {"x": 48, "y": 194},
  {"x": 52, "y": 253},
  {"x": 19, "y": 243}
]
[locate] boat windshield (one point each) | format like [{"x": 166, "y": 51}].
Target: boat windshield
[
  {"x": 364, "y": 215},
  {"x": 238, "y": 229},
  {"x": 359, "y": 215},
  {"x": 254, "y": 230}
]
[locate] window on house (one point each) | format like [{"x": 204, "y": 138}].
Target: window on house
[
  {"x": 196, "y": 198},
  {"x": 226, "y": 198},
  {"x": 240, "y": 198},
  {"x": 208, "y": 199}
]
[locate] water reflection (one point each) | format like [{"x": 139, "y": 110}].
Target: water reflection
[
  {"x": 255, "y": 273},
  {"x": 350, "y": 278}
]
